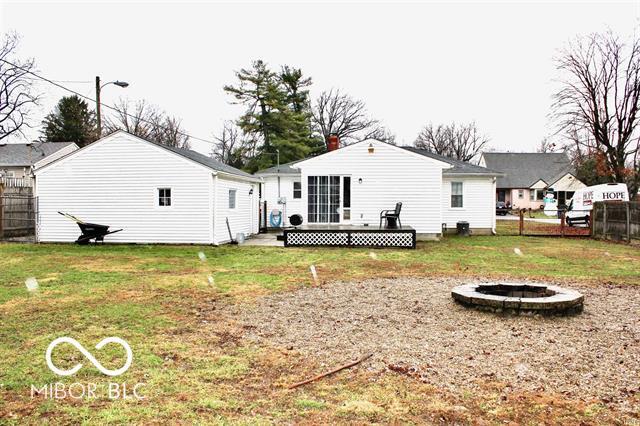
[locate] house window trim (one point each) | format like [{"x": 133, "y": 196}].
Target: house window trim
[
  {"x": 451, "y": 194},
  {"x": 157, "y": 198},
  {"x": 299, "y": 190},
  {"x": 235, "y": 199},
  {"x": 520, "y": 194}
]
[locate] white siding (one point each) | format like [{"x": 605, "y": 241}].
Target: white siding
[
  {"x": 270, "y": 195},
  {"x": 389, "y": 175},
  {"x": 478, "y": 206},
  {"x": 244, "y": 218},
  {"x": 114, "y": 182}
]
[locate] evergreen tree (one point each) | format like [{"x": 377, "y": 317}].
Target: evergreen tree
[
  {"x": 277, "y": 114},
  {"x": 70, "y": 121}
]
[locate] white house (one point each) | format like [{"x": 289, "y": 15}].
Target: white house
[
  {"x": 351, "y": 185},
  {"x": 155, "y": 193}
]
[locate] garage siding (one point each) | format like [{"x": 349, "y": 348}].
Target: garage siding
[
  {"x": 115, "y": 182},
  {"x": 244, "y": 217}
]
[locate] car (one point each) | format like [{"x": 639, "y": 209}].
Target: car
[{"x": 501, "y": 208}]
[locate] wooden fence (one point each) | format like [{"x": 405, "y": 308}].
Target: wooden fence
[
  {"x": 616, "y": 220},
  {"x": 18, "y": 212}
]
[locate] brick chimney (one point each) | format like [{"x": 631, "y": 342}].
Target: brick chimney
[{"x": 334, "y": 143}]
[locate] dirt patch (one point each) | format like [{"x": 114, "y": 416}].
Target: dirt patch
[{"x": 414, "y": 328}]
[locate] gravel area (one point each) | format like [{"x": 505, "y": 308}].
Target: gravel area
[{"x": 414, "y": 327}]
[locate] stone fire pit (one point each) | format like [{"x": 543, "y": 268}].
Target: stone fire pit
[{"x": 519, "y": 298}]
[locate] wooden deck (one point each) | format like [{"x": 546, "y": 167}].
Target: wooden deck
[{"x": 350, "y": 236}]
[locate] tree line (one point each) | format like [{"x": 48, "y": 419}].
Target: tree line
[{"x": 595, "y": 112}]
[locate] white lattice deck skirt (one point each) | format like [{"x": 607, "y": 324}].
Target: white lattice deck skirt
[{"x": 357, "y": 237}]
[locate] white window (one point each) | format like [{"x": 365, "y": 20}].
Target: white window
[
  {"x": 456, "y": 194},
  {"x": 232, "y": 198},
  {"x": 520, "y": 194},
  {"x": 164, "y": 197},
  {"x": 297, "y": 190},
  {"x": 532, "y": 195}
]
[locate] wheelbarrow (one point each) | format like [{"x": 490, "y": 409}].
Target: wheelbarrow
[{"x": 90, "y": 231}]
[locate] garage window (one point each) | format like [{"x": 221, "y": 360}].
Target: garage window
[
  {"x": 456, "y": 194},
  {"x": 232, "y": 198},
  {"x": 164, "y": 197}
]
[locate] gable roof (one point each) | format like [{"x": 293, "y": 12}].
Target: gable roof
[
  {"x": 186, "y": 153},
  {"x": 206, "y": 161},
  {"x": 27, "y": 154},
  {"x": 523, "y": 169},
  {"x": 459, "y": 167}
]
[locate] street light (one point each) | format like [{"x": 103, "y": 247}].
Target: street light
[{"x": 99, "y": 87}]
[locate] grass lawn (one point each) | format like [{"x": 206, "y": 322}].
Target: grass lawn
[{"x": 196, "y": 368}]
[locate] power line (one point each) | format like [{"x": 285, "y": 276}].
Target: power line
[{"x": 53, "y": 82}]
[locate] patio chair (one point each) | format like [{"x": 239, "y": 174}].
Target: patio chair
[{"x": 391, "y": 214}]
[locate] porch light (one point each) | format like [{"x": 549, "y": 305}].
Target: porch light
[
  {"x": 371, "y": 148},
  {"x": 360, "y": 180},
  {"x": 251, "y": 191}
]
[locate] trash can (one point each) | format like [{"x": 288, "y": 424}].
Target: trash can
[{"x": 462, "y": 228}]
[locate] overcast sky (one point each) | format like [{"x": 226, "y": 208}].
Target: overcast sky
[{"x": 411, "y": 63}]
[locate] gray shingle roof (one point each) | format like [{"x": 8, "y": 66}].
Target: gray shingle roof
[
  {"x": 284, "y": 169},
  {"x": 459, "y": 167},
  {"x": 524, "y": 169},
  {"x": 25, "y": 155},
  {"x": 206, "y": 161}
]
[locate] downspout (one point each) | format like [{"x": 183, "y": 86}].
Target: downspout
[
  {"x": 214, "y": 180},
  {"x": 493, "y": 229}
]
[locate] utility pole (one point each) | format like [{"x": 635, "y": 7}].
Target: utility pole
[
  {"x": 99, "y": 118},
  {"x": 99, "y": 87}
]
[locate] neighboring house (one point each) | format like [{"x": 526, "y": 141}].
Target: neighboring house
[
  {"x": 351, "y": 185},
  {"x": 527, "y": 176},
  {"x": 17, "y": 160},
  {"x": 157, "y": 194}
]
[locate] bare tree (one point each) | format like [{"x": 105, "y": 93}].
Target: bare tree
[
  {"x": 340, "y": 114},
  {"x": 460, "y": 142},
  {"x": 167, "y": 130},
  {"x": 17, "y": 91},
  {"x": 233, "y": 147},
  {"x": 547, "y": 145},
  {"x": 148, "y": 122},
  {"x": 597, "y": 104},
  {"x": 381, "y": 134},
  {"x": 135, "y": 118}
]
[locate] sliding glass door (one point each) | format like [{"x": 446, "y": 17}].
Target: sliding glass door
[{"x": 323, "y": 199}]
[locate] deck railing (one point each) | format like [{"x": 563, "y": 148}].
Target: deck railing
[{"x": 13, "y": 182}]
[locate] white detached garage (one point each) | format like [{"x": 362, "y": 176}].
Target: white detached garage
[{"x": 155, "y": 193}]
